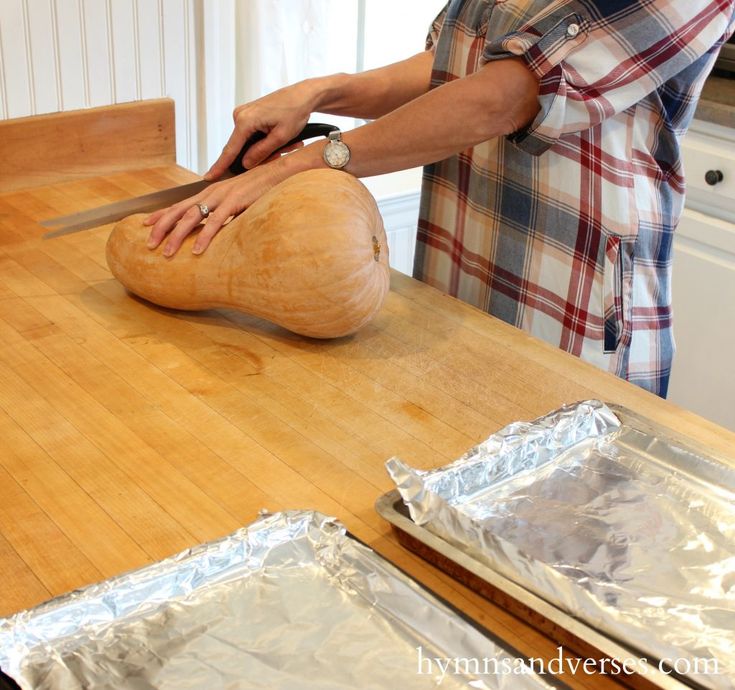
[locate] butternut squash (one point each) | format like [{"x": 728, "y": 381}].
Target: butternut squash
[{"x": 310, "y": 255}]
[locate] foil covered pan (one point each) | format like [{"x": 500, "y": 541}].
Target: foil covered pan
[
  {"x": 290, "y": 602},
  {"x": 607, "y": 519}
]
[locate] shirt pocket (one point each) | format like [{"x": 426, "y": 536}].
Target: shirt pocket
[
  {"x": 617, "y": 286},
  {"x": 612, "y": 293}
]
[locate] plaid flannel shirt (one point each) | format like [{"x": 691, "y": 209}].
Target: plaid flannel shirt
[{"x": 565, "y": 229}]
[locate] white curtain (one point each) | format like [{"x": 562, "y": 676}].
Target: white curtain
[{"x": 280, "y": 42}]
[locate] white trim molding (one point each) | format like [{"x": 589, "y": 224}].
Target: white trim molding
[{"x": 400, "y": 217}]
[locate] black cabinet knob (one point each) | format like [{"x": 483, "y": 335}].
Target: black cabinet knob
[{"x": 713, "y": 177}]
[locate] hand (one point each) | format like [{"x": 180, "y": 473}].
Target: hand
[
  {"x": 224, "y": 200},
  {"x": 280, "y": 115}
]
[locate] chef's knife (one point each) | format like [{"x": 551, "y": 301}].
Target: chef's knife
[{"x": 148, "y": 203}]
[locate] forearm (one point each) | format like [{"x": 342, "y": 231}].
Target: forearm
[
  {"x": 497, "y": 100},
  {"x": 373, "y": 93}
]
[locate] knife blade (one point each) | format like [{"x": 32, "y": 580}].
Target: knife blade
[
  {"x": 117, "y": 210},
  {"x": 102, "y": 215}
]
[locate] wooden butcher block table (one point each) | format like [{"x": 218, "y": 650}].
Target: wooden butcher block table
[{"x": 131, "y": 432}]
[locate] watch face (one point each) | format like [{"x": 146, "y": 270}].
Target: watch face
[{"x": 336, "y": 154}]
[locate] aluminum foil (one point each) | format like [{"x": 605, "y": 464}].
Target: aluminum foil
[
  {"x": 611, "y": 523},
  {"x": 290, "y": 602}
]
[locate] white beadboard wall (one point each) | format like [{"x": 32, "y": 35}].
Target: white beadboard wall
[{"x": 68, "y": 54}]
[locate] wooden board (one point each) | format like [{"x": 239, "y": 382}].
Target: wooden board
[
  {"x": 70, "y": 145},
  {"x": 131, "y": 432}
]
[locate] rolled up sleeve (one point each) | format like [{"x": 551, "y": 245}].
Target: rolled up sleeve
[
  {"x": 435, "y": 28},
  {"x": 595, "y": 59}
]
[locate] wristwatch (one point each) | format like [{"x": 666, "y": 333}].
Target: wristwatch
[{"x": 336, "y": 152}]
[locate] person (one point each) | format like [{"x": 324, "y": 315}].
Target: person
[{"x": 550, "y": 134}]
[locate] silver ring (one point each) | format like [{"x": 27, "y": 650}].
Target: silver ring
[{"x": 203, "y": 209}]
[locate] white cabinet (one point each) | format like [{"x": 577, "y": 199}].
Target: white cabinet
[{"x": 703, "y": 375}]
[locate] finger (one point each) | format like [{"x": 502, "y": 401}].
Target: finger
[
  {"x": 292, "y": 147},
  {"x": 190, "y": 220},
  {"x": 232, "y": 204},
  {"x": 233, "y": 146},
  {"x": 166, "y": 218},
  {"x": 259, "y": 151},
  {"x": 166, "y": 221},
  {"x": 284, "y": 150},
  {"x": 213, "y": 225},
  {"x": 151, "y": 220}
]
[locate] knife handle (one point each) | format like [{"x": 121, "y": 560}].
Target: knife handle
[{"x": 312, "y": 129}]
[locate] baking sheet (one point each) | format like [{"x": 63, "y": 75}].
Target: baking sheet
[
  {"x": 290, "y": 602},
  {"x": 612, "y": 522},
  {"x": 577, "y": 638}
]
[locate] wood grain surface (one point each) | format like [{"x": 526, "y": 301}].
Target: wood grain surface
[
  {"x": 131, "y": 432},
  {"x": 70, "y": 145}
]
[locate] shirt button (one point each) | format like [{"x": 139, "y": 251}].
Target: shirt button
[{"x": 572, "y": 30}]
